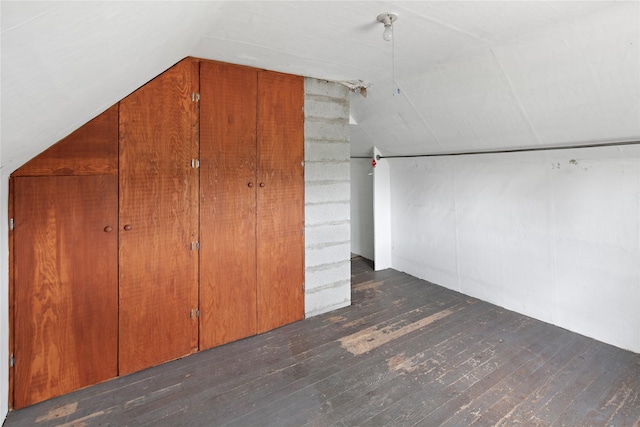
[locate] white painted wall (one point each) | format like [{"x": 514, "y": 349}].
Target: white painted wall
[
  {"x": 553, "y": 235},
  {"x": 382, "y": 231},
  {"x": 362, "y": 208}
]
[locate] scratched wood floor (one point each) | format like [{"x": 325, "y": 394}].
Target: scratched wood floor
[{"x": 407, "y": 352}]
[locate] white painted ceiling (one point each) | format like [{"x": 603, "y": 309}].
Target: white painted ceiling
[{"x": 472, "y": 75}]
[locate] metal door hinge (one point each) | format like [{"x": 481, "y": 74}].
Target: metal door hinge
[
  {"x": 195, "y": 245},
  {"x": 303, "y": 287},
  {"x": 12, "y": 361},
  {"x": 194, "y": 313},
  {"x": 195, "y": 163},
  {"x": 195, "y": 97},
  {"x": 11, "y": 224}
]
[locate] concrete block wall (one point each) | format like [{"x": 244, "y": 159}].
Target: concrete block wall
[{"x": 327, "y": 197}]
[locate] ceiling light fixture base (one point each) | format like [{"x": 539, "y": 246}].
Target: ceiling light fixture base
[{"x": 387, "y": 18}]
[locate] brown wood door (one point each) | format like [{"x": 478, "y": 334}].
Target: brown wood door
[
  {"x": 65, "y": 284},
  {"x": 159, "y": 220},
  {"x": 227, "y": 203},
  {"x": 280, "y": 208}
]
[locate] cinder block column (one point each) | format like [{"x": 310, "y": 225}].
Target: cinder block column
[{"x": 327, "y": 197}]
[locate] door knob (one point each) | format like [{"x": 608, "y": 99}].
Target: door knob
[
  {"x": 108, "y": 229},
  {"x": 127, "y": 227},
  {"x": 262, "y": 184},
  {"x": 250, "y": 184}
]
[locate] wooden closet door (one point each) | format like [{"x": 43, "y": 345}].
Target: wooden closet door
[
  {"x": 280, "y": 227},
  {"x": 227, "y": 203},
  {"x": 66, "y": 284},
  {"x": 159, "y": 220}
]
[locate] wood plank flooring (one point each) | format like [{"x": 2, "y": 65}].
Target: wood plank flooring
[{"x": 406, "y": 353}]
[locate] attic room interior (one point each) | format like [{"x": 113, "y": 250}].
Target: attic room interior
[{"x": 320, "y": 213}]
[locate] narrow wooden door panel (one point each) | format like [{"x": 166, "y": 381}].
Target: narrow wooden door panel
[
  {"x": 227, "y": 203},
  {"x": 280, "y": 194},
  {"x": 12, "y": 293},
  {"x": 158, "y": 221},
  {"x": 66, "y": 289}
]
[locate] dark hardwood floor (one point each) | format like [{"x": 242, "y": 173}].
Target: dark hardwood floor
[{"x": 407, "y": 352}]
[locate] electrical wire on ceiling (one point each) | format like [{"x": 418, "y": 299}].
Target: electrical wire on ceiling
[{"x": 387, "y": 19}]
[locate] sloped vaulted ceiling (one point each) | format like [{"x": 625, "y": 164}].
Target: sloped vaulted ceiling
[
  {"x": 471, "y": 75},
  {"x": 64, "y": 63},
  {"x": 573, "y": 81}
]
